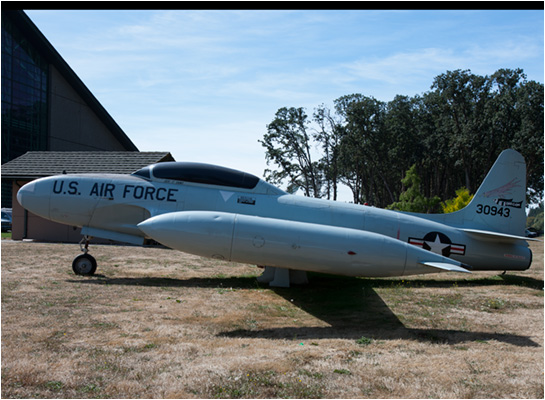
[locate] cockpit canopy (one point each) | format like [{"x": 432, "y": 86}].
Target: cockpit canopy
[{"x": 199, "y": 173}]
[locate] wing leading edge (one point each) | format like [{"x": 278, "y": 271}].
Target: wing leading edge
[{"x": 497, "y": 235}]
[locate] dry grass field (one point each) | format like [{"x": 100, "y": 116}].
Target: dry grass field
[{"x": 156, "y": 323}]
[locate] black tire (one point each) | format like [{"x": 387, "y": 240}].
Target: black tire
[{"x": 84, "y": 264}]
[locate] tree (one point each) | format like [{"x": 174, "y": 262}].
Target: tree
[
  {"x": 402, "y": 126},
  {"x": 288, "y": 145},
  {"x": 463, "y": 119},
  {"x": 362, "y": 149},
  {"x": 535, "y": 218},
  {"x": 462, "y": 199},
  {"x": 411, "y": 199},
  {"x": 453, "y": 134},
  {"x": 528, "y": 137},
  {"x": 328, "y": 135}
]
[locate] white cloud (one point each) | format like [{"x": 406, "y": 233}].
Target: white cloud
[{"x": 401, "y": 65}]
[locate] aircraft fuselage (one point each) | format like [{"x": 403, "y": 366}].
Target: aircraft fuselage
[{"x": 112, "y": 206}]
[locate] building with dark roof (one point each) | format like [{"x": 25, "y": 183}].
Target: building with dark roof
[
  {"x": 38, "y": 164},
  {"x": 45, "y": 106}
]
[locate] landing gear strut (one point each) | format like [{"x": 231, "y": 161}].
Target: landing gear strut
[{"x": 84, "y": 264}]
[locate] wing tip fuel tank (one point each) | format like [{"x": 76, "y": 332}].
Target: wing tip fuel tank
[{"x": 290, "y": 244}]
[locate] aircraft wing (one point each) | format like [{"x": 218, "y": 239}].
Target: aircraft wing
[
  {"x": 496, "y": 235},
  {"x": 445, "y": 266}
]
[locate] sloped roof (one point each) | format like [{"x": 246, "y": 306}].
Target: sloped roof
[{"x": 37, "y": 164}]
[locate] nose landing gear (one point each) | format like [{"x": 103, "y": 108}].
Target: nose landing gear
[{"x": 84, "y": 264}]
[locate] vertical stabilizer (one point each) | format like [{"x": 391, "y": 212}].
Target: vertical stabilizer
[{"x": 500, "y": 202}]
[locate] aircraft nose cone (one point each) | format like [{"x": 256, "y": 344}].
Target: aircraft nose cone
[{"x": 34, "y": 199}]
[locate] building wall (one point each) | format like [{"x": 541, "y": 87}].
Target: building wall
[
  {"x": 73, "y": 126},
  {"x": 24, "y": 98},
  {"x": 24, "y": 94}
]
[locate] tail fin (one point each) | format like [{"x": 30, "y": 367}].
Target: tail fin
[{"x": 500, "y": 202}]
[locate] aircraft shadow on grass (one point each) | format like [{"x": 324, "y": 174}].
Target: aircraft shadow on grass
[{"x": 351, "y": 306}]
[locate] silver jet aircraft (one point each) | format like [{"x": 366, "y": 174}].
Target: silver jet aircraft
[{"x": 226, "y": 214}]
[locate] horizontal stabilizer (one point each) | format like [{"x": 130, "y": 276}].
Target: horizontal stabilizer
[
  {"x": 497, "y": 235},
  {"x": 445, "y": 266}
]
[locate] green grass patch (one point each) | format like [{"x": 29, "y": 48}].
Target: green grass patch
[
  {"x": 364, "y": 341},
  {"x": 342, "y": 371}
]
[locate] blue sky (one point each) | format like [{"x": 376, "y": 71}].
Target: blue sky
[{"x": 204, "y": 84}]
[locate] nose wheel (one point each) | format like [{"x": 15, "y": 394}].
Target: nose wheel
[{"x": 84, "y": 264}]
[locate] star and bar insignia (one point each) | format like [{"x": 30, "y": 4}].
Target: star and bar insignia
[{"x": 439, "y": 243}]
